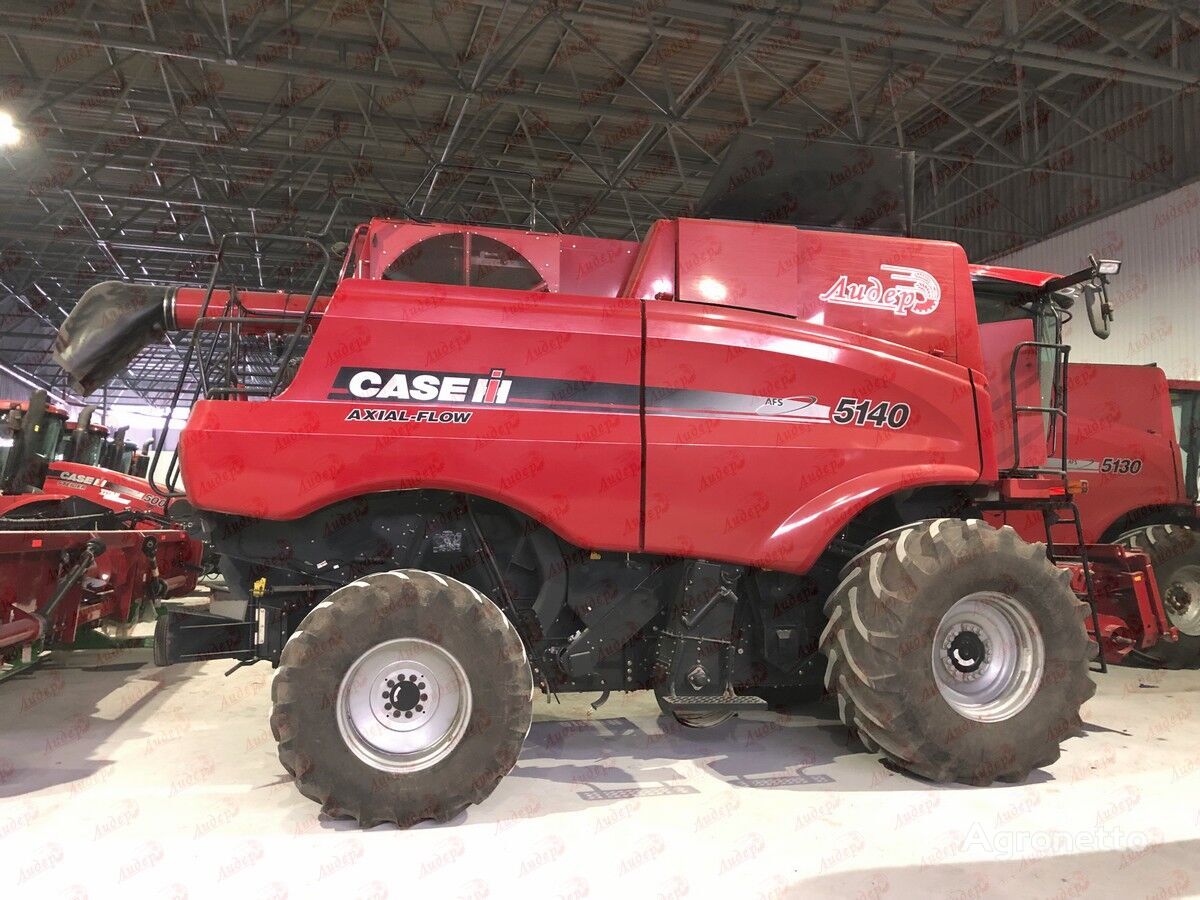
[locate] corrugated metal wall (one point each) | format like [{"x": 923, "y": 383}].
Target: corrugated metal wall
[
  {"x": 1156, "y": 297},
  {"x": 11, "y": 388}
]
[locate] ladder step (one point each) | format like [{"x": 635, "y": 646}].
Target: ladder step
[{"x": 704, "y": 703}]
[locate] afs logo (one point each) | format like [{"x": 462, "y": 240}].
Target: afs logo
[{"x": 914, "y": 290}]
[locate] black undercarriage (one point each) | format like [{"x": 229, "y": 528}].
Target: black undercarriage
[{"x": 591, "y": 621}]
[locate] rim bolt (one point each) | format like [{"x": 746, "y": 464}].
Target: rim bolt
[
  {"x": 424, "y": 696},
  {"x": 420, "y": 708},
  {"x": 391, "y": 683},
  {"x": 421, "y": 686},
  {"x": 387, "y": 706},
  {"x": 408, "y": 715},
  {"x": 396, "y": 714},
  {"x": 412, "y": 677}
]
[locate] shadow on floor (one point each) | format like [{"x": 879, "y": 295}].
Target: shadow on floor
[
  {"x": 1168, "y": 871},
  {"x": 54, "y": 724},
  {"x": 616, "y": 759}
]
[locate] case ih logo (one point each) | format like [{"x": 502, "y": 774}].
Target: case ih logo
[
  {"x": 79, "y": 479},
  {"x": 915, "y": 291},
  {"x": 429, "y": 387}
]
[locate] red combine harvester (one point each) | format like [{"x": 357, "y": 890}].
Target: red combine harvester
[
  {"x": 713, "y": 464},
  {"x": 78, "y": 490},
  {"x": 1124, "y": 467},
  {"x": 80, "y": 546}
]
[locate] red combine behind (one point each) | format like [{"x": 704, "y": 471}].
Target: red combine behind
[
  {"x": 80, "y": 546},
  {"x": 1125, "y": 468},
  {"x": 726, "y": 462},
  {"x": 55, "y": 471}
]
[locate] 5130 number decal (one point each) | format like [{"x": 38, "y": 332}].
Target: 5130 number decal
[
  {"x": 884, "y": 414},
  {"x": 1120, "y": 465}
]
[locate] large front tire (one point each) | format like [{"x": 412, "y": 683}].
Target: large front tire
[
  {"x": 959, "y": 652},
  {"x": 404, "y": 696},
  {"x": 1174, "y": 551}
]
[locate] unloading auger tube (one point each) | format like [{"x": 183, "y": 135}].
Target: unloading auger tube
[{"x": 114, "y": 320}]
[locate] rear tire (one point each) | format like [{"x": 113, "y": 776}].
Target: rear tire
[
  {"x": 401, "y": 758},
  {"x": 1174, "y": 550},
  {"x": 959, "y": 652}
]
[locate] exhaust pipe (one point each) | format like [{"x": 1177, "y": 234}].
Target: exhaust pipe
[{"x": 108, "y": 327}]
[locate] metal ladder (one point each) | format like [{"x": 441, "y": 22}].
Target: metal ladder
[{"x": 1053, "y": 510}]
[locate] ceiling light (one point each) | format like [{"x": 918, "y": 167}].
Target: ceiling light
[{"x": 10, "y": 134}]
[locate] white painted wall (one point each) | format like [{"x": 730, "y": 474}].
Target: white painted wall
[{"x": 1156, "y": 298}]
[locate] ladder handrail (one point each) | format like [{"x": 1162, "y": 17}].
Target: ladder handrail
[{"x": 167, "y": 487}]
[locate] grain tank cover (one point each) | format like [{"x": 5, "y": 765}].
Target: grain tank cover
[{"x": 813, "y": 184}]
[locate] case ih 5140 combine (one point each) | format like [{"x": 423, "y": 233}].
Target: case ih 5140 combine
[{"x": 725, "y": 461}]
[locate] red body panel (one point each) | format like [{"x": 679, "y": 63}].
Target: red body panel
[
  {"x": 114, "y": 490},
  {"x": 575, "y": 466},
  {"x": 745, "y": 460},
  {"x": 12, "y": 504},
  {"x": 770, "y": 485},
  {"x": 1122, "y": 448},
  {"x": 111, "y": 490},
  {"x": 914, "y": 293},
  {"x": 1030, "y": 277},
  {"x": 1122, "y": 442}
]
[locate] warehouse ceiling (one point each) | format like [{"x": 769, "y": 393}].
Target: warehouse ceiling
[{"x": 152, "y": 127}]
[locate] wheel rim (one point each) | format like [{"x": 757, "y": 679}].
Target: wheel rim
[
  {"x": 988, "y": 657},
  {"x": 1182, "y": 600},
  {"x": 404, "y": 705}
]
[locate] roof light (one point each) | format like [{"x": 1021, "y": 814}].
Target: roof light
[
  {"x": 1109, "y": 266},
  {"x": 10, "y": 134}
]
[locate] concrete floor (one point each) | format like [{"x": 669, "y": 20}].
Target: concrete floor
[{"x": 116, "y": 776}]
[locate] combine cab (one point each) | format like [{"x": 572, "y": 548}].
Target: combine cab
[
  {"x": 1185, "y": 415},
  {"x": 728, "y": 463},
  {"x": 31, "y": 432}
]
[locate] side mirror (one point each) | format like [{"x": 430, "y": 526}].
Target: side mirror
[{"x": 1095, "y": 296}]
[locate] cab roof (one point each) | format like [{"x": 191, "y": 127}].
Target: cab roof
[{"x": 1030, "y": 277}]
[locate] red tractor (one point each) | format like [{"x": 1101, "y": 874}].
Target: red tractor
[
  {"x": 729, "y": 461},
  {"x": 1130, "y": 459}
]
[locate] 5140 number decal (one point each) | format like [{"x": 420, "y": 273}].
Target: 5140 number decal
[{"x": 884, "y": 414}]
